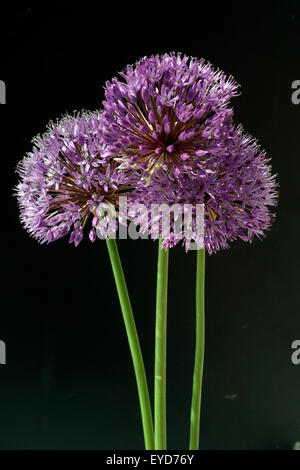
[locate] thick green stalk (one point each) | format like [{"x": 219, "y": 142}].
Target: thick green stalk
[
  {"x": 160, "y": 428},
  {"x": 134, "y": 344},
  {"x": 199, "y": 352}
]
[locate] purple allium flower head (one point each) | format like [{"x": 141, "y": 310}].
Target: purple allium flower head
[
  {"x": 65, "y": 181},
  {"x": 234, "y": 189},
  {"x": 166, "y": 111}
]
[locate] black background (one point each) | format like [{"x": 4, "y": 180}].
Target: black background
[{"x": 68, "y": 382}]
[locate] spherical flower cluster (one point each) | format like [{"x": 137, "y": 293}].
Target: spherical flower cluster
[
  {"x": 234, "y": 191},
  {"x": 65, "y": 182},
  {"x": 169, "y": 110}
]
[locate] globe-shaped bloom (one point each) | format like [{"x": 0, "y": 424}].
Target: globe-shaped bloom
[
  {"x": 234, "y": 190},
  {"x": 65, "y": 182},
  {"x": 166, "y": 110}
]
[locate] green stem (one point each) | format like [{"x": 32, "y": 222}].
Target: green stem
[
  {"x": 199, "y": 352},
  {"x": 161, "y": 350},
  {"x": 133, "y": 343}
]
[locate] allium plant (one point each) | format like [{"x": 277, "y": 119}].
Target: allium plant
[
  {"x": 165, "y": 136},
  {"x": 169, "y": 117},
  {"x": 67, "y": 183}
]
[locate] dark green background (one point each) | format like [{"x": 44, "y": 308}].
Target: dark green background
[{"x": 68, "y": 382}]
